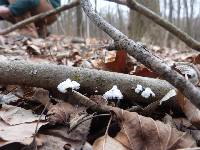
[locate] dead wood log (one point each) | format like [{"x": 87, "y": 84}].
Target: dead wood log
[
  {"x": 39, "y": 16},
  {"x": 183, "y": 36},
  {"x": 48, "y": 76},
  {"x": 144, "y": 56}
]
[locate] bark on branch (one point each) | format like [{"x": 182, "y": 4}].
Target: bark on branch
[
  {"x": 39, "y": 16},
  {"x": 187, "y": 39},
  {"x": 49, "y": 76},
  {"x": 144, "y": 56}
]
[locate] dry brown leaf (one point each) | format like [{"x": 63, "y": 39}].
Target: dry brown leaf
[
  {"x": 123, "y": 139},
  {"x": 98, "y": 64},
  {"x": 119, "y": 65},
  {"x": 13, "y": 115},
  {"x": 115, "y": 63},
  {"x": 144, "y": 72},
  {"x": 41, "y": 95},
  {"x": 190, "y": 110},
  {"x": 49, "y": 137},
  {"x": 58, "y": 137},
  {"x": 59, "y": 113},
  {"x": 145, "y": 133},
  {"x": 196, "y": 59},
  {"x": 18, "y": 133},
  {"x": 17, "y": 125},
  {"x": 108, "y": 143},
  {"x": 56, "y": 142},
  {"x": 182, "y": 122}
]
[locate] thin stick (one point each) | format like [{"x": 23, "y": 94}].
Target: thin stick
[
  {"x": 36, "y": 129},
  {"x": 83, "y": 100},
  {"x": 106, "y": 133}
]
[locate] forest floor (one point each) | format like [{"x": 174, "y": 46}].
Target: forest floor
[{"x": 24, "y": 123}]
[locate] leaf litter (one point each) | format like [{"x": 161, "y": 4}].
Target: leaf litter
[{"x": 18, "y": 118}]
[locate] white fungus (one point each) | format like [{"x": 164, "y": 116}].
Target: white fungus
[
  {"x": 147, "y": 93},
  {"x": 113, "y": 93},
  {"x": 138, "y": 89},
  {"x": 63, "y": 86}
]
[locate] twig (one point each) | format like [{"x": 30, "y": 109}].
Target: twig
[
  {"x": 45, "y": 108},
  {"x": 83, "y": 100},
  {"x": 39, "y": 16},
  {"x": 106, "y": 133},
  {"x": 144, "y": 56},
  {"x": 183, "y": 36}
]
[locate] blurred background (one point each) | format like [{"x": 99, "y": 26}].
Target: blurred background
[{"x": 185, "y": 14}]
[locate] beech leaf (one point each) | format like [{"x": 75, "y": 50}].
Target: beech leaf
[{"x": 145, "y": 133}]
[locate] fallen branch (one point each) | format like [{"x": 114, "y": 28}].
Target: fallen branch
[
  {"x": 187, "y": 39},
  {"x": 144, "y": 56},
  {"x": 38, "y": 17},
  {"x": 48, "y": 76}
]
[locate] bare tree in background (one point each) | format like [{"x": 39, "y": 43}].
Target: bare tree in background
[
  {"x": 170, "y": 18},
  {"x": 188, "y": 27},
  {"x": 95, "y": 5},
  {"x": 142, "y": 29},
  {"x": 165, "y": 9},
  {"x": 120, "y": 16},
  {"x": 192, "y": 4},
  {"x": 79, "y": 19},
  {"x": 178, "y": 16}
]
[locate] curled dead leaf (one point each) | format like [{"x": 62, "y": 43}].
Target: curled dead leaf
[
  {"x": 144, "y": 72},
  {"x": 59, "y": 113},
  {"x": 190, "y": 110},
  {"x": 145, "y": 133}
]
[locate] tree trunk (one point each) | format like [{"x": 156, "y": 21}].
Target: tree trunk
[
  {"x": 140, "y": 28},
  {"x": 192, "y": 3},
  {"x": 79, "y": 18},
  {"x": 170, "y": 18},
  {"x": 120, "y": 17},
  {"x": 68, "y": 23},
  {"x": 95, "y": 5},
  {"x": 188, "y": 27},
  {"x": 178, "y": 18}
]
